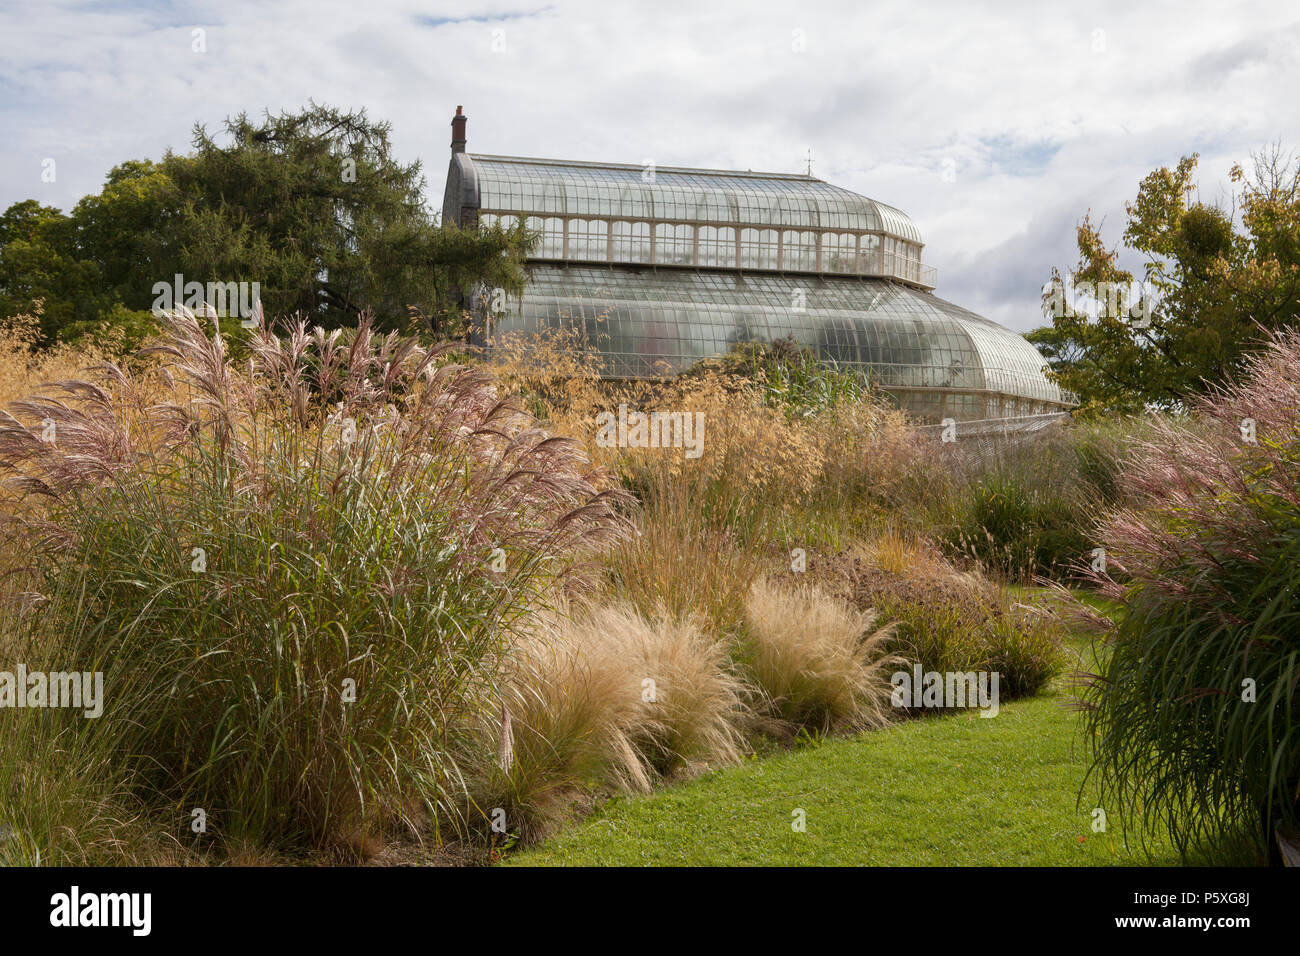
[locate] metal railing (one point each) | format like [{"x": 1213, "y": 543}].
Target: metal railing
[{"x": 643, "y": 246}]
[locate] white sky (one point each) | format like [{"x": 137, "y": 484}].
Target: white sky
[{"x": 1037, "y": 113}]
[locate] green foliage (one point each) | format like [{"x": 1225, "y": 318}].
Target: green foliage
[
  {"x": 119, "y": 331},
  {"x": 38, "y": 261},
  {"x": 1214, "y": 287},
  {"x": 959, "y": 633},
  {"x": 950, "y": 620},
  {"x": 1193, "y": 716},
  {"x": 1031, "y": 509},
  {"x": 132, "y": 233},
  {"x": 809, "y": 387},
  {"x": 288, "y": 585},
  {"x": 1020, "y": 529},
  {"x": 314, "y": 206},
  {"x": 311, "y": 205},
  {"x": 787, "y": 375}
]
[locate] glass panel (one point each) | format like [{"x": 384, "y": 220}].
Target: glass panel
[
  {"x": 551, "y": 245},
  {"x": 631, "y": 241},
  {"x": 718, "y": 197},
  {"x": 799, "y": 251},
  {"x": 588, "y": 239},
  {"x": 935, "y": 355},
  {"x": 758, "y": 248},
  {"x": 717, "y": 246},
  {"x": 674, "y": 244}
]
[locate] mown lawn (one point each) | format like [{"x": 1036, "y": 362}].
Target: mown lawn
[{"x": 942, "y": 791}]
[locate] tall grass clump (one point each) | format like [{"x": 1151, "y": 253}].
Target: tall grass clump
[
  {"x": 679, "y": 562},
  {"x": 952, "y": 620},
  {"x": 1030, "y": 509},
  {"x": 605, "y": 698},
  {"x": 65, "y": 802},
  {"x": 299, "y": 575},
  {"x": 820, "y": 663},
  {"x": 809, "y": 446},
  {"x": 794, "y": 450},
  {"x": 1194, "y": 713}
]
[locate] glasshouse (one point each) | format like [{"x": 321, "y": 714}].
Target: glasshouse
[{"x": 657, "y": 268}]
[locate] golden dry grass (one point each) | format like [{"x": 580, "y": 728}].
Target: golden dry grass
[
  {"x": 675, "y": 562},
  {"x": 603, "y": 696},
  {"x": 821, "y": 662},
  {"x": 754, "y": 451},
  {"x": 685, "y": 605},
  {"x": 24, "y": 367}
]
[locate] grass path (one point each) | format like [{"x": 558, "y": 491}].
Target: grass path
[{"x": 951, "y": 790}]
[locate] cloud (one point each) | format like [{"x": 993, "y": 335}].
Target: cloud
[
  {"x": 1214, "y": 66},
  {"x": 1037, "y": 115},
  {"x": 435, "y": 22}
]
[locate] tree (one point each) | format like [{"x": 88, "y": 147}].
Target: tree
[
  {"x": 132, "y": 232},
  {"x": 311, "y": 206},
  {"x": 38, "y": 262},
  {"x": 1211, "y": 291}
]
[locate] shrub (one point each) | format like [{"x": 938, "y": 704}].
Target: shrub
[
  {"x": 117, "y": 331},
  {"x": 1024, "y": 644},
  {"x": 297, "y": 608},
  {"x": 1031, "y": 509},
  {"x": 820, "y": 663},
  {"x": 1193, "y": 715},
  {"x": 1021, "y": 527},
  {"x": 582, "y": 715},
  {"x": 950, "y": 620}
]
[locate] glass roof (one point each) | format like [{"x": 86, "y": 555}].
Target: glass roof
[
  {"x": 553, "y": 187},
  {"x": 646, "y": 322}
]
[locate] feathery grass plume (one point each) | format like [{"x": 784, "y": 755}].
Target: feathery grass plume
[
  {"x": 574, "y": 720},
  {"x": 605, "y": 698},
  {"x": 821, "y": 664},
  {"x": 693, "y": 703},
  {"x": 677, "y": 561},
  {"x": 299, "y": 574},
  {"x": 1193, "y": 716}
]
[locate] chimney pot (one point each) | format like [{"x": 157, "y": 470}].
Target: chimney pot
[{"x": 458, "y": 131}]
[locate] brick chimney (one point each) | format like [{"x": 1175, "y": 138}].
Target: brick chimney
[{"x": 458, "y": 131}]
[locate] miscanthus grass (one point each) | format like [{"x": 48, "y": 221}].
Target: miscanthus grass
[
  {"x": 1194, "y": 711},
  {"x": 300, "y": 573}
]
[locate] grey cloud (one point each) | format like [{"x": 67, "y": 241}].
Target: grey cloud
[
  {"x": 1039, "y": 127},
  {"x": 1213, "y": 66}
]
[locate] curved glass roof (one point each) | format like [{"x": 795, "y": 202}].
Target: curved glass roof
[
  {"x": 518, "y": 185},
  {"x": 659, "y": 267},
  {"x": 945, "y": 360}
]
